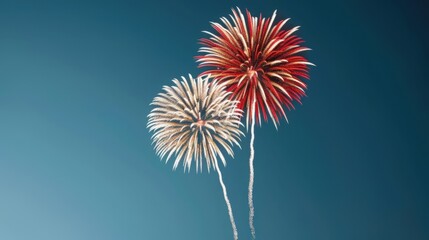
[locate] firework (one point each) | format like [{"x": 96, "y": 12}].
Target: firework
[
  {"x": 196, "y": 120},
  {"x": 262, "y": 64}
]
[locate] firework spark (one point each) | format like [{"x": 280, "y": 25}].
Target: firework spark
[
  {"x": 262, "y": 64},
  {"x": 195, "y": 120},
  {"x": 257, "y": 60}
]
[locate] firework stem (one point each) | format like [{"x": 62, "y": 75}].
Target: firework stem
[
  {"x": 228, "y": 204},
  {"x": 252, "y": 177}
]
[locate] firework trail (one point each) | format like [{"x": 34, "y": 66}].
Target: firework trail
[
  {"x": 195, "y": 120},
  {"x": 261, "y": 63},
  {"x": 251, "y": 178}
]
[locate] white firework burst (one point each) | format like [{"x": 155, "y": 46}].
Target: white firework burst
[{"x": 195, "y": 120}]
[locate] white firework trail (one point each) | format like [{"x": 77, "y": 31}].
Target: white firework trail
[{"x": 252, "y": 175}]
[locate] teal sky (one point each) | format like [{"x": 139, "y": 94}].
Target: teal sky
[{"x": 76, "y": 161}]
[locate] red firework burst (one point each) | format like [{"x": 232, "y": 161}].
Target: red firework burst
[{"x": 261, "y": 63}]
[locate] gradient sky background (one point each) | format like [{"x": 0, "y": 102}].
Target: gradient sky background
[{"x": 76, "y": 161}]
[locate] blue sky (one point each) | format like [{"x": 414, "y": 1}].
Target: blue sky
[{"x": 76, "y": 161}]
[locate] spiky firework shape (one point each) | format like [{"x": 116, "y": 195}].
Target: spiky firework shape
[
  {"x": 258, "y": 61},
  {"x": 196, "y": 119},
  {"x": 262, "y": 64}
]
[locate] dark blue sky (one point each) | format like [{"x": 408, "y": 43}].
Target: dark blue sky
[{"x": 76, "y": 161}]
